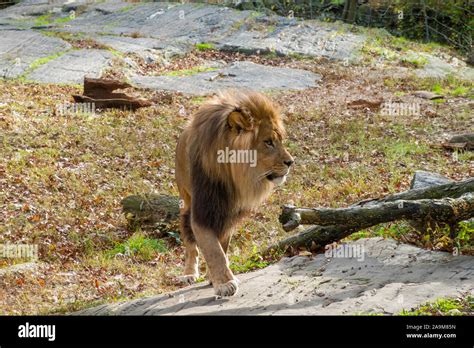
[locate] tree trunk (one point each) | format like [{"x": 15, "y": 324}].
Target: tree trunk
[{"x": 350, "y": 11}]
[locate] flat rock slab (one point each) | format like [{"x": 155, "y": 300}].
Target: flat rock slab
[
  {"x": 20, "y": 48},
  {"x": 181, "y": 26},
  {"x": 189, "y": 23},
  {"x": 143, "y": 46},
  {"x": 309, "y": 38},
  {"x": 386, "y": 278},
  {"x": 72, "y": 67},
  {"x": 438, "y": 68},
  {"x": 236, "y": 75}
]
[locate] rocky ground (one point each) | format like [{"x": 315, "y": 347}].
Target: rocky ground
[
  {"x": 330, "y": 79},
  {"x": 39, "y": 42},
  {"x": 389, "y": 277}
]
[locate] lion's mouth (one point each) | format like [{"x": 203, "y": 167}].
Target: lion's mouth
[
  {"x": 273, "y": 176},
  {"x": 277, "y": 179}
]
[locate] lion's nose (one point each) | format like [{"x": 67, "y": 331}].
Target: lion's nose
[{"x": 289, "y": 162}]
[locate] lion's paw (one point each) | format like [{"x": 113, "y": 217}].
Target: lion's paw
[
  {"x": 187, "y": 279},
  {"x": 227, "y": 289}
]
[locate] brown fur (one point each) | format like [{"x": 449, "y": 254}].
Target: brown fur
[{"x": 217, "y": 195}]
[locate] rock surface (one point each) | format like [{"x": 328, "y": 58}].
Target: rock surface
[
  {"x": 423, "y": 179},
  {"x": 385, "y": 277},
  {"x": 239, "y": 74},
  {"x": 159, "y": 31},
  {"x": 72, "y": 67},
  {"x": 19, "y": 49}
]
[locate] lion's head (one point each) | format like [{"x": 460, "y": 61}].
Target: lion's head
[{"x": 237, "y": 136}]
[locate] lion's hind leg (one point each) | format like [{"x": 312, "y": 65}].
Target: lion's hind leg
[{"x": 191, "y": 256}]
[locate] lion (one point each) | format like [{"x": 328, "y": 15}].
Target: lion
[{"x": 217, "y": 191}]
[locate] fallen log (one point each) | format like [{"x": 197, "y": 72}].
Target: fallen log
[
  {"x": 349, "y": 220},
  {"x": 150, "y": 209},
  {"x": 447, "y": 210},
  {"x": 291, "y": 217},
  {"x": 451, "y": 189}
]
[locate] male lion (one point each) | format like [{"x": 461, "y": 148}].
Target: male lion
[{"x": 216, "y": 194}]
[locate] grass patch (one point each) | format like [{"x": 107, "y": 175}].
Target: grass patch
[
  {"x": 47, "y": 20},
  {"x": 188, "y": 72},
  {"x": 401, "y": 149},
  {"x": 139, "y": 247},
  {"x": 414, "y": 60},
  {"x": 43, "y": 20},
  {"x": 238, "y": 264},
  {"x": 126, "y": 8},
  {"x": 39, "y": 62},
  {"x": 204, "y": 46},
  {"x": 380, "y": 45},
  {"x": 444, "y": 306},
  {"x": 450, "y": 86}
]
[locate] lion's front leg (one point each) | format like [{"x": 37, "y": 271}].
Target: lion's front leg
[
  {"x": 224, "y": 239},
  {"x": 221, "y": 277}
]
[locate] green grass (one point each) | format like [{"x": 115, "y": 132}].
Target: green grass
[
  {"x": 443, "y": 306},
  {"x": 453, "y": 89},
  {"x": 401, "y": 149},
  {"x": 204, "y": 46},
  {"x": 63, "y": 19},
  {"x": 39, "y": 62},
  {"x": 464, "y": 235},
  {"x": 188, "y": 72},
  {"x": 239, "y": 264},
  {"x": 449, "y": 86},
  {"x": 397, "y": 50},
  {"x": 43, "y": 20},
  {"x": 139, "y": 247},
  {"x": 47, "y": 20},
  {"x": 416, "y": 61},
  {"x": 126, "y": 8}
]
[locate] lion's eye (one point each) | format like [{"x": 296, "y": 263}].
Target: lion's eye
[{"x": 269, "y": 143}]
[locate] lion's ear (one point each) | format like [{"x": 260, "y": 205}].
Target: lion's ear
[{"x": 240, "y": 119}]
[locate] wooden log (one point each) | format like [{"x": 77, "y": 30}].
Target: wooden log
[
  {"x": 291, "y": 217},
  {"x": 452, "y": 189},
  {"x": 151, "y": 209},
  {"x": 460, "y": 142},
  {"x": 447, "y": 210},
  {"x": 353, "y": 219}
]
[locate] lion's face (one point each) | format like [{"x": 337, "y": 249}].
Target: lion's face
[{"x": 273, "y": 160}]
